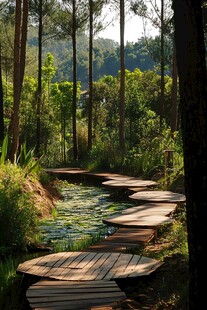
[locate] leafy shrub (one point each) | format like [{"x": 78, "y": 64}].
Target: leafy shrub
[
  {"x": 102, "y": 156},
  {"x": 17, "y": 213}
]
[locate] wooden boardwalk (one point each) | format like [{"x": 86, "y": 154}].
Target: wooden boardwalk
[{"x": 86, "y": 280}]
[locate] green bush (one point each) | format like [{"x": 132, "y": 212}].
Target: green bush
[{"x": 17, "y": 213}]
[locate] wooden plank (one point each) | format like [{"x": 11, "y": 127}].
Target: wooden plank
[
  {"x": 73, "y": 296},
  {"x": 56, "y": 291},
  {"x": 79, "y": 307},
  {"x": 76, "y": 304},
  {"x": 103, "y": 247},
  {"x": 49, "y": 283}
]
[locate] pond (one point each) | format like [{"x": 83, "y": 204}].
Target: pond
[{"x": 79, "y": 216}]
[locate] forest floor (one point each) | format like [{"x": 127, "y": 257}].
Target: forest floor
[{"x": 165, "y": 288}]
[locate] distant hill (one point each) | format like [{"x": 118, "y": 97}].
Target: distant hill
[{"x": 106, "y": 57}]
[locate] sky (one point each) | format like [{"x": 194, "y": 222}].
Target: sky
[{"x": 133, "y": 30}]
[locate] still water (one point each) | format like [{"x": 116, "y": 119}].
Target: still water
[{"x": 79, "y": 215}]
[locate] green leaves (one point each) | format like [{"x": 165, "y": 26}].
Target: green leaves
[
  {"x": 3, "y": 150},
  {"x": 27, "y": 161}
]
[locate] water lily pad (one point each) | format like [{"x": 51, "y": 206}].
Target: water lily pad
[{"x": 80, "y": 215}]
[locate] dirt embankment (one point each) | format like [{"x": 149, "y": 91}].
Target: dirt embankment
[{"x": 43, "y": 196}]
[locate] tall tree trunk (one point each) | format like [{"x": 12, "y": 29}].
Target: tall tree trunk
[
  {"x": 1, "y": 104},
  {"x": 90, "y": 102},
  {"x": 162, "y": 65},
  {"x": 174, "y": 112},
  {"x": 17, "y": 84},
  {"x": 39, "y": 86},
  {"x": 190, "y": 47},
  {"x": 20, "y": 40},
  {"x": 122, "y": 82},
  {"x": 23, "y": 40},
  {"x": 75, "y": 144}
]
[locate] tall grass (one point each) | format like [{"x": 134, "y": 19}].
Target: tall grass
[
  {"x": 78, "y": 245},
  {"x": 11, "y": 286}
]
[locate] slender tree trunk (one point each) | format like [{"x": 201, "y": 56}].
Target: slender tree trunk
[
  {"x": 174, "y": 112},
  {"x": 1, "y": 104},
  {"x": 23, "y": 40},
  {"x": 39, "y": 86},
  {"x": 90, "y": 102},
  {"x": 122, "y": 82},
  {"x": 75, "y": 144},
  {"x": 64, "y": 148},
  {"x": 62, "y": 131},
  {"x": 17, "y": 84},
  {"x": 162, "y": 66},
  {"x": 190, "y": 49}
]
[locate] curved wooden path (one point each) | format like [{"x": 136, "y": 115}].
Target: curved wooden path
[{"x": 87, "y": 279}]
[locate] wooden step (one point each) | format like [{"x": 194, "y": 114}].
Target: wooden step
[{"x": 59, "y": 295}]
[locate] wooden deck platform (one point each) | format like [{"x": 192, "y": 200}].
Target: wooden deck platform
[
  {"x": 59, "y": 295},
  {"x": 129, "y": 183},
  {"x": 123, "y": 239},
  {"x": 149, "y": 215},
  {"x": 158, "y": 196},
  {"x": 71, "y": 171},
  {"x": 89, "y": 266}
]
